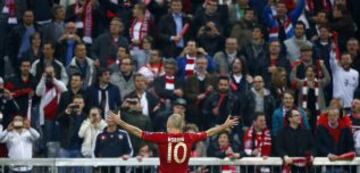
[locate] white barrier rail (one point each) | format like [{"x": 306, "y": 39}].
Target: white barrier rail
[{"x": 59, "y": 162}]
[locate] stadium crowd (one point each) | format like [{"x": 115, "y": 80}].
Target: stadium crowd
[{"x": 288, "y": 69}]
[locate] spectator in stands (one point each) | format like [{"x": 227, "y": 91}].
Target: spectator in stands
[
  {"x": 69, "y": 122},
  {"x": 281, "y": 24},
  {"x": 257, "y": 139},
  {"x": 173, "y": 30},
  {"x": 133, "y": 115},
  {"x": 295, "y": 141},
  {"x": 155, "y": 67},
  {"x": 355, "y": 119},
  {"x": 82, "y": 65},
  {"x": 55, "y": 29},
  {"x": 219, "y": 104},
  {"x": 322, "y": 46},
  {"x": 106, "y": 140},
  {"x": 122, "y": 52},
  {"x": 86, "y": 16},
  {"x": 306, "y": 59},
  {"x": 255, "y": 52},
  {"x": 34, "y": 53},
  {"x": 345, "y": 78},
  {"x": 274, "y": 59},
  {"x": 279, "y": 84},
  {"x": 352, "y": 46},
  {"x": 311, "y": 92},
  {"x": 89, "y": 129},
  {"x": 343, "y": 24},
  {"x": 320, "y": 19},
  {"x": 263, "y": 100},
  {"x": 224, "y": 58},
  {"x": 186, "y": 64},
  {"x": 123, "y": 79},
  {"x": 48, "y": 59},
  {"x": 239, "y": 79},
  {"x": 197, "y": 87},
  {"x": 147, "y": 99},
  {"x": 279, "y": 118},
  {"x": 242, "y": 29},
  {"x": 42, "y": 11},
  {"x": 212, "y": 15},
  {"x": 103, "y": 93},
  {"x": 141, "y": 25},
  {"x": 8, "y": 105},
  {"x": 237, "y": 10},
  {"x": 333, "y": 136},
  {"x": 49, "y": 89},
  {"x": 66, "y": 44},
  {"x": 145, "y": 151},
  {"x": 106, "y": 45},
  {"x": 74, "y": 89},
  {"x": 210, "y": 38},
  {"x": 22, "y": 86},
  {"x": 19, "y": 37},
  {"x": 142, "y": 55},
  {"x": 178, "y": 107},
  {"x": 294, "y": 44},
  {"x": 19, "y": 138},
  {"x": 224, "y": 147},
  {"x": 168, "y": 87}
]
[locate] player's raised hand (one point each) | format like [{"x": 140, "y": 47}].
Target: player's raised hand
[
  {"x": 115, "y": 117},
  {"x": 231, "y": 121}
]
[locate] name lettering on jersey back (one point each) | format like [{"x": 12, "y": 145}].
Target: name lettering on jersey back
[{"x": 174, "y": 140}]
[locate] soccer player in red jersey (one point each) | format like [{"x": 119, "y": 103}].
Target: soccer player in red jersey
[{"x": 174, "y": 145}]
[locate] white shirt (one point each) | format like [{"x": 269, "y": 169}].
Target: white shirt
[
  {"x": 344, "y": 82},
  {"x": 144, "y": 104},
  {"x": 237, "y": 78},
  {"x": 20, "y": 145},
  {"x": 137, "y": 28}
]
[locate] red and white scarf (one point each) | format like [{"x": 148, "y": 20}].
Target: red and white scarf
[
  {"x": 190, "y": 65},
  {"x": 49, "y": 104},
  {"x": 10, "y": 8},
  {"x": 169, "y": 82},
  {"x": 257, "y": 140},
  {"x": 228, "y": 168},
  {"x": 144, "y": 28},
  {"x": 309, "y": 6},
  {"x": 298, "y": 162},
  {"x": 305, "y": 92},
  {"x": 88, "y": 22}
]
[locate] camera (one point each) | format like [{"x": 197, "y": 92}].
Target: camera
[
  {"x": 74, "y": 107},
  {"x": 132, "y": 101},
  {"x": 18, "y": 124},
  {"x": 48, "y": 79},
  {"x": 207, "y": 29}
]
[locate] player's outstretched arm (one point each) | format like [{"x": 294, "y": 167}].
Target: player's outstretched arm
[
  {"x": 128, "y": 127},
  {"x": 229, "y": 123}
]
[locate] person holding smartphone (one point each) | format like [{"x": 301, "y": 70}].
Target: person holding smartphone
[
  {"x": 19, "y": 137},
  {"x": 70, "y": 122}
]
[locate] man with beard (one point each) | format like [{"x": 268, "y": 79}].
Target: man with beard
[{"x": 345, "y": 78}]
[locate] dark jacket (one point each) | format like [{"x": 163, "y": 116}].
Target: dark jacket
[
  {"x": 8, "y": 108},
  {"x": 228, "y": 107},
  {"x": 21, "y": 90},
  {"x": 139, "y": 120},
  {"x": 67, "y": 97},
  {"x": 325, "y": 143},
  {"x": 105, "y": 49},
  {"x": 159, "y": 86},
  {"x": 114, "y": 145},
  {"x": 151, "y": 99},
  {"x": 269, "y": 105},
  {"x": 92, "y": 96},
  {"x": 254, "y": 60},
  {"x": 294, "y": 142},
  {"x": 70, "y": 126},
  {"x": 167, "y": 28},
  {"x": 282, "y": 61}
]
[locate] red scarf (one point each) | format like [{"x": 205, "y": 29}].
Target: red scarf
[
  {"x": 88, "y": 22},
  {"x": 10, "y": 8},
  {"x": 228, "y": 168},
  {"x": 310, "y": 6},
  {"x": 326, "y": 6},
  {"x": 298, "y": 162},
  {"x": 304, "y": 94},
  {"x": 190, "y": 66},
  {"x": 169, "y": 82},
  {"x": 144, "y": 28},
  {"x": 261, "y": 141},
  {"x": 221, "y": 100}
]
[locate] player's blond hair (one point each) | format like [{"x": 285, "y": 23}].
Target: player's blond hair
[{"x": 177, "y": 121}]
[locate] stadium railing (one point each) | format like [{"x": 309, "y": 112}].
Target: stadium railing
[{"x": 211, "y": 165}]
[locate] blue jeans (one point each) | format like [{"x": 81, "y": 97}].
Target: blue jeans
[{"x": 64, "y": 153}]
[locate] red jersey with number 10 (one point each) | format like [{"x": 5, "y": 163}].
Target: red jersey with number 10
[{"x": 174, "y": 149}]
